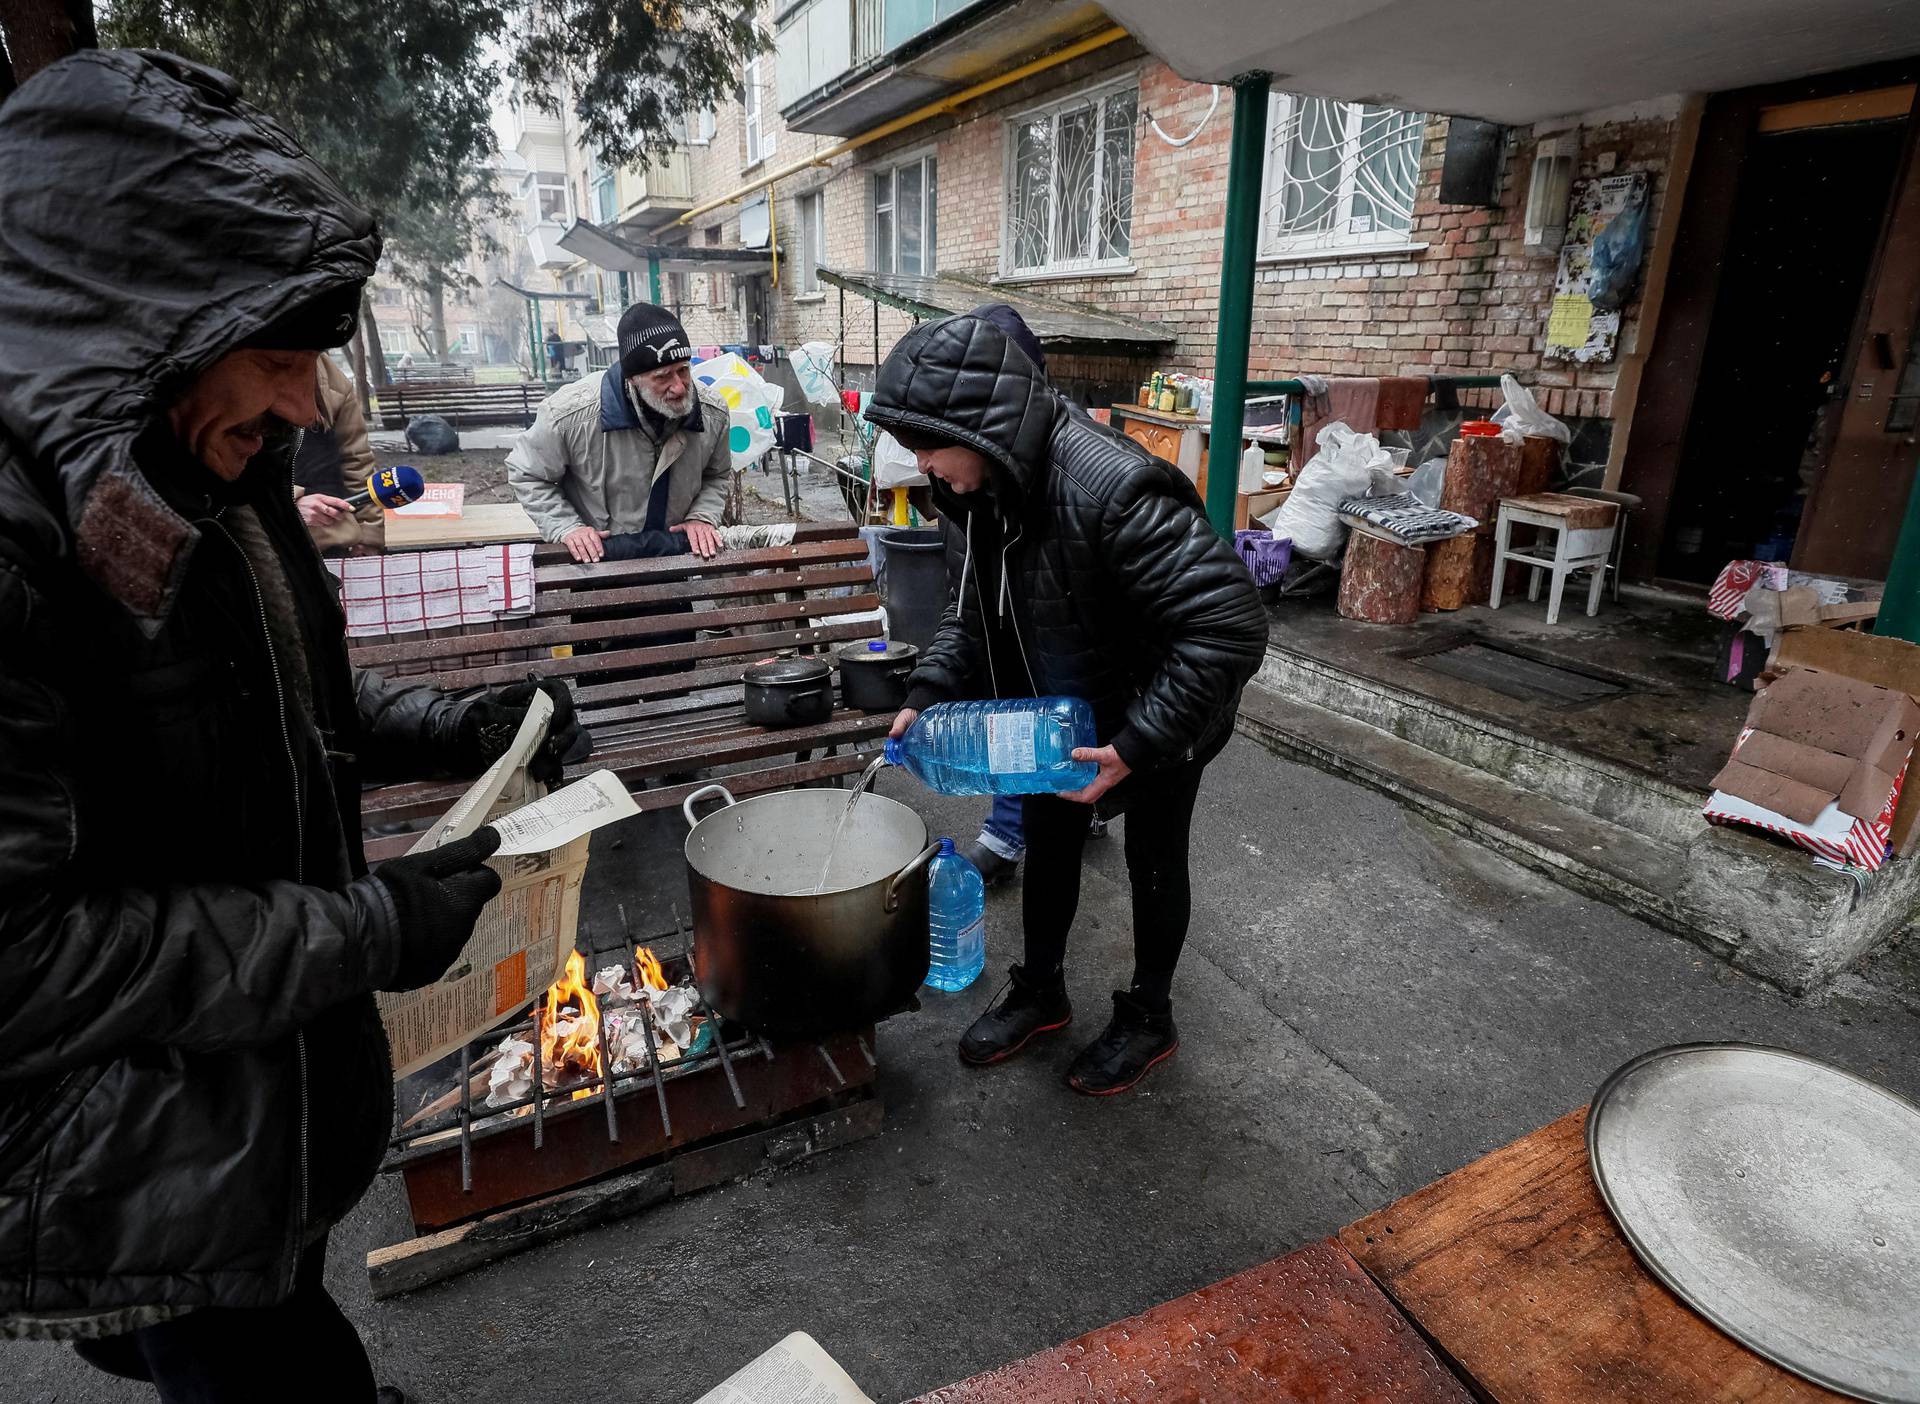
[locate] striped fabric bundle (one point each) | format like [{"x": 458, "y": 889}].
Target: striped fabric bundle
[{"x": 1406, "y": 518}]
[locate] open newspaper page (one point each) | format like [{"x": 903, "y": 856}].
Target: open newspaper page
[
  {"x": 523, "y": 938},
  {"x": 795, "y": 1371}
]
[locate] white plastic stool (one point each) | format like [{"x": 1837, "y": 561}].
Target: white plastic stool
[{"x": 1583, "y": 530}]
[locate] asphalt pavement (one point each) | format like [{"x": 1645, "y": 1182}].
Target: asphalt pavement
[{"x": 1365, "y": 1004}]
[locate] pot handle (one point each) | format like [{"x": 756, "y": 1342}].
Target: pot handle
[
  {"x": 920, "y": 860},
  {"x": 704, "y": 792},
  {"x": 824, "y": 688}
]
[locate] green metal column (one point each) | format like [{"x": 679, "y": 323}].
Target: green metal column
[
  {"x": 535, "y": 349},
  {"x": 1240, "y": 248},
  {"x": 653, "y": 280},
  {"x": 1900, "y": 611}
]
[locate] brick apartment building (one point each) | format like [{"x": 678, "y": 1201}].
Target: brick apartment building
[
  {"x": 1415, "y": 287},
  {"x": 1098, "y": 181}
]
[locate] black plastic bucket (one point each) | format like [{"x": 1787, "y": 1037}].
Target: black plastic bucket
[{"x": 916, "y": 583}]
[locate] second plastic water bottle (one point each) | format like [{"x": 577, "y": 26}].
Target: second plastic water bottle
[
  {"x": 956, "y": 920},
  {"x": 1020, "y": 746}
]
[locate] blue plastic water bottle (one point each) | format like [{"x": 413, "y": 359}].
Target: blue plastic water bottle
[
  {"x": 1021, "y": 746},
  {"x": 956, "y": 920}
]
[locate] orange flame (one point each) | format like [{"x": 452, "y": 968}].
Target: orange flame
[
  {"x": 574, "y": 1052},
  {"x": 651, "y": 976}
]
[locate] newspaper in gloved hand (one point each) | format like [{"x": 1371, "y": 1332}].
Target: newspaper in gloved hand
[{"x": 522, "y": 940}]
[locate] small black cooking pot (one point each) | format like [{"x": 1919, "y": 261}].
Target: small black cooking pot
[
  {"x": 789, "y": 692},
  {"x": 873, "y": 675}
]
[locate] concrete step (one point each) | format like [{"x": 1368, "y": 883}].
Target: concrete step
[
  {"x": 1764, "y": 908},
  {"x": 1632, "y": 799}
]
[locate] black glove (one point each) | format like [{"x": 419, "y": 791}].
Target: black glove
[
  {"x": 438, "y": 896},
  {"x": 487, "y": 725}
]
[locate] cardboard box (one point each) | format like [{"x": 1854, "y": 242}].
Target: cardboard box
[
  {"x": 1818, "y": 738},
  {"x": 1249, "y": 507},
  {"x": 1869, "y": 658}
]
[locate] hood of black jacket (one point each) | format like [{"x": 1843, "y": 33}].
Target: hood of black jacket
[
  {"x": 150, "y": 221},
  {"x": 964, "y": 378}
]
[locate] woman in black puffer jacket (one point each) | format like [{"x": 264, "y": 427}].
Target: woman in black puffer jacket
[{"x": 1079, "y": 565}]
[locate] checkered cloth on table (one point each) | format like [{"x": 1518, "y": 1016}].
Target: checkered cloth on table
[{"x": 1406, "y": 518}]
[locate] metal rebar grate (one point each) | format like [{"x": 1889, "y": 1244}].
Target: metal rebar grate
[{"x": 1518, "y": 676}]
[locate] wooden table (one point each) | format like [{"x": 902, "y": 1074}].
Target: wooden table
[
  {"x": 1513, "y": 1267},
  {"x": 479, "y": 524},
  {"x": 1306, "y": 1328}
]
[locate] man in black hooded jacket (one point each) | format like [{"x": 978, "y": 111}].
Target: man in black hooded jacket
[
  {"x": 1082, "y": 566},
  {"x": 194, "y": 1084}
]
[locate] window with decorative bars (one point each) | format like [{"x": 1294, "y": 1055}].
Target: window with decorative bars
[
  {"x": 905, "y": 223},
  {"x": 1070, "y": 185},
  {"x": 1340, "y": 175}
]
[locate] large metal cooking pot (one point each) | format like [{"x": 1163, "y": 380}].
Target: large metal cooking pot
[{"x": 775, "y": 955}]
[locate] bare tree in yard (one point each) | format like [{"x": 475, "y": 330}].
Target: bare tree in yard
[{"x": 395, "y": 96}]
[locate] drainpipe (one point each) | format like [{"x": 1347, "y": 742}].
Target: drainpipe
[
  {"x": 1900, "y": 611},
  {"x": 1238, "y": 251}
]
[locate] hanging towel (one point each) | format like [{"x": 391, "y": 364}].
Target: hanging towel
[{"x": 1402, "y": 400}]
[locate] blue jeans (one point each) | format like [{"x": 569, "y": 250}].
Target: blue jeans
[{"x": 1005, "y": 831}]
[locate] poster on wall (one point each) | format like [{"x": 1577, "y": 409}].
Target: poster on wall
[{"x": 1577, "y": 330}]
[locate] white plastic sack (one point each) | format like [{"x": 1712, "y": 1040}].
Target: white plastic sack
[
  {"x": 893, "y": 465},
  {"x": 1428, "y": 480},
  {"x": 813, "y": 368},
  {"x": 1342, "y": 467},
  {"x": 1522, "y": 413},
  {"x": 751, "y": 404}
]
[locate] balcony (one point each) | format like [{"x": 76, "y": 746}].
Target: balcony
[
  {"x": 842, "y": 66},
  {"x": 543, "y": 245},
  {"x": 660, "y": 193}
]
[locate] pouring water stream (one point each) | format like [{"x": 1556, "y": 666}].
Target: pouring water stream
[{"x": 833, "y": 846}]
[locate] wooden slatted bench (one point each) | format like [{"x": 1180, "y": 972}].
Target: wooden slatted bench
[
  {"x": 651, "y": 726},
  {"x": 463, "y": 405}
]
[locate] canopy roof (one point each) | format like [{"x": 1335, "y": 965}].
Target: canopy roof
[{"x": 1055, "y": 322}]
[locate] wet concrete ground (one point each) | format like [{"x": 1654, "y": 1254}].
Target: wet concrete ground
[{"x": 1364, "y": 1004}]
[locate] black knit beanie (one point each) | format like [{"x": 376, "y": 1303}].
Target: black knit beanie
[{"x": 651, "y": 337}]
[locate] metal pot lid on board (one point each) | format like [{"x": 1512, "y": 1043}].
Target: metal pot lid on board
[
  {"x": 877, "y": 651},
  {"x": 774, "y": 671},
  {"x": 1777, "y": 1196}
]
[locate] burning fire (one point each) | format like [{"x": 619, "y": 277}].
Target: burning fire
[
  {"x": 570, "y": 1042},
  {"x": 647, "y": 964}
]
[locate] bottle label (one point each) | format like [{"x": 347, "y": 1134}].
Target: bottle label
[{"x": 1010, "y": 749}]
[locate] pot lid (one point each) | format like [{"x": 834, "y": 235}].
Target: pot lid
[
  {"x": 787, "y": 670},
  {"x": 877, "y": 651}
]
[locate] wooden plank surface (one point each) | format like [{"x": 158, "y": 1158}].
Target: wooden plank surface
[
  {"x": 1513, "y": 1267},
  {"x": 1303, "y": 1329},
  {"x": 479, "y": 524}
]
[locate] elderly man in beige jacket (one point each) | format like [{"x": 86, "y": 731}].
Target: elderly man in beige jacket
[{"x": 633, "y": 462}]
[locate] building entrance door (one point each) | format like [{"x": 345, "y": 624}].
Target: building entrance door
[{"x": 1800, "y": 253}]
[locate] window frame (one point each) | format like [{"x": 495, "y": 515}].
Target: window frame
[
  {"x": 1329, "y": 243},
  {"x": 813, "y": 239},
  {"x": 928, "y": 159},
  {"x": 556, "y": 182},
  {"x": 1094, "y": 96},
  {"x": 753, "y": 116}
]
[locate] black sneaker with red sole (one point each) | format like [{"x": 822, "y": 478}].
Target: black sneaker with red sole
[
  {"x": 1021, "y": 1014},
  {"x": 1137, "y": 1041}
]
